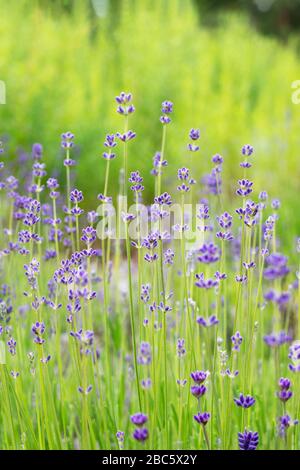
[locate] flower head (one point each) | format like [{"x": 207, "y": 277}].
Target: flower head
[
  {"x": 202, "y": 418},
  {"x": 244, "y": 401},
  {"x": 199, "y": 376},
  {"x": 198, "y": 390},
  {"x": 139, "y": 419},
  {"x": 248, "y": 440},
  {"x": 140, "y": 434},
  {"x": 67, "y": 140}
]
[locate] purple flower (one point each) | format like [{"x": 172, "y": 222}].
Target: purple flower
[
  {"x": 167, "y": 107},
  {"x": 86, "y": 338},
  {"x": 38, "y": 328},
  {"x": 12, "y": 345},
  {"x": 108, "y": 155},
  {"x": 120, "y": 435},
  {"x": 198, "y": 390},
  {"x": 125, "y": 106},
  {"x": 236, "y": 340},
  {"x": 284, "y": 383},
  {"x": 104, "y": 199},
  {"x": 136, "y": 179},
  {"x": 247, "y": 150},
  {"x": 211, "y": 321},
  {"x": 163, "y": 199},
  {"x": 277, "y": 339},
  {"x": 245, "y": 164},
  {"x": 276, "y": 266},
  {"x": 199, "y": 376},
  {"x": 127, "y": 136},
  {"x": 37, "y": 151},
  {"x": 49, "y": 254},
  {"x": 284, "y": 422},
  {"x": 220, "y": 276},
  {"x": 294, "y": 356},
  {"x": 193, "y": 147},
  {"x": 263, "y": 196},
  {"x": 181, "y": 347},
  {"x": 52, "y": 183},
  {"x": 225, "y": 220},
  {"x": 76, "y": 196},
  {"x": 14, "y": 374},
  {"x": 224, "y": 236},
  {"x": 158, "y": 163},
  {"x": 67, "y": 140},
  {"x": 45, "y": 360},
  {"x": 284, "y": 395},
  {"x": 217, "y": 159},
  {"x": 244, "y": 401},
  {"x": 110, "y": 141},
  {"x": 68, "y": 162},
  {"x": 269, "y": 228},
  {"x": 140, "y": 434},
  {"x": 146, "y": 383},
  {"x": 169, "y": 257},
  {"x": 92, "y": 216},
  {"x": 183, "y": 174},
  {"x": 245, "y": 188},
  {"x": 88, "y": 235},
  {"x": 145, "y": 354},
  {"x": 209, "y": 253},
  {"x": 85, "y": 391},
  {"x": 202, "y": 418},
  {"x": 127, "y": 217},
  {"x": 145, "y": 293},
  {"x": 248, "y": 440},
  {"x": 194, "y": 134},
  {"x": 139, "y": 419},
  {"x": 275, "y": 204},
  {"x": 203, "y": 283}
]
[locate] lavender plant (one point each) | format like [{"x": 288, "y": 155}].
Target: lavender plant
[{"x": 175, "y": 327}]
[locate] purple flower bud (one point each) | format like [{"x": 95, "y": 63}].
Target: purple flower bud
[
  {"x": 236, "y": 340},
  {"x": 76, "y": 196},
  {"x": 140, "y": 434},
  {"x": 199, "y": 376},
  {"x": 247, "y": 150},
  {"x": 37, "y": 151},
  {"x": 248, "y": 440},
  {"x": 139, "y": 419},
  {"x": 244, "y": 401},
  {"x": 202, "y": 418},
  {"x": 67, "y": 140},
  {"x": 198, "y": 390},
  {"x": 194, "y": 134}
]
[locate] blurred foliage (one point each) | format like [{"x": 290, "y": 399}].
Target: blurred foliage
[
  {"x": 63, "y": 68},
  {"x": 279, "y": 17}
]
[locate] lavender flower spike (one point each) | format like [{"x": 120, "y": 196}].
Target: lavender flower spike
[
  {"x": 248, "y": 440},
  {"x": 244, "y": 401}
]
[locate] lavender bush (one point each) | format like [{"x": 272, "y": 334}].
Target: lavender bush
[{"x": 170, "y": 325}]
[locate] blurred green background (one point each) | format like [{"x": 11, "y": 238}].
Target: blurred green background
[{"x": 227, "y": 65}]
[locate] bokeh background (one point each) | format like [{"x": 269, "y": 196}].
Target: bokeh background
[{"x": 227, "y": 65}]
